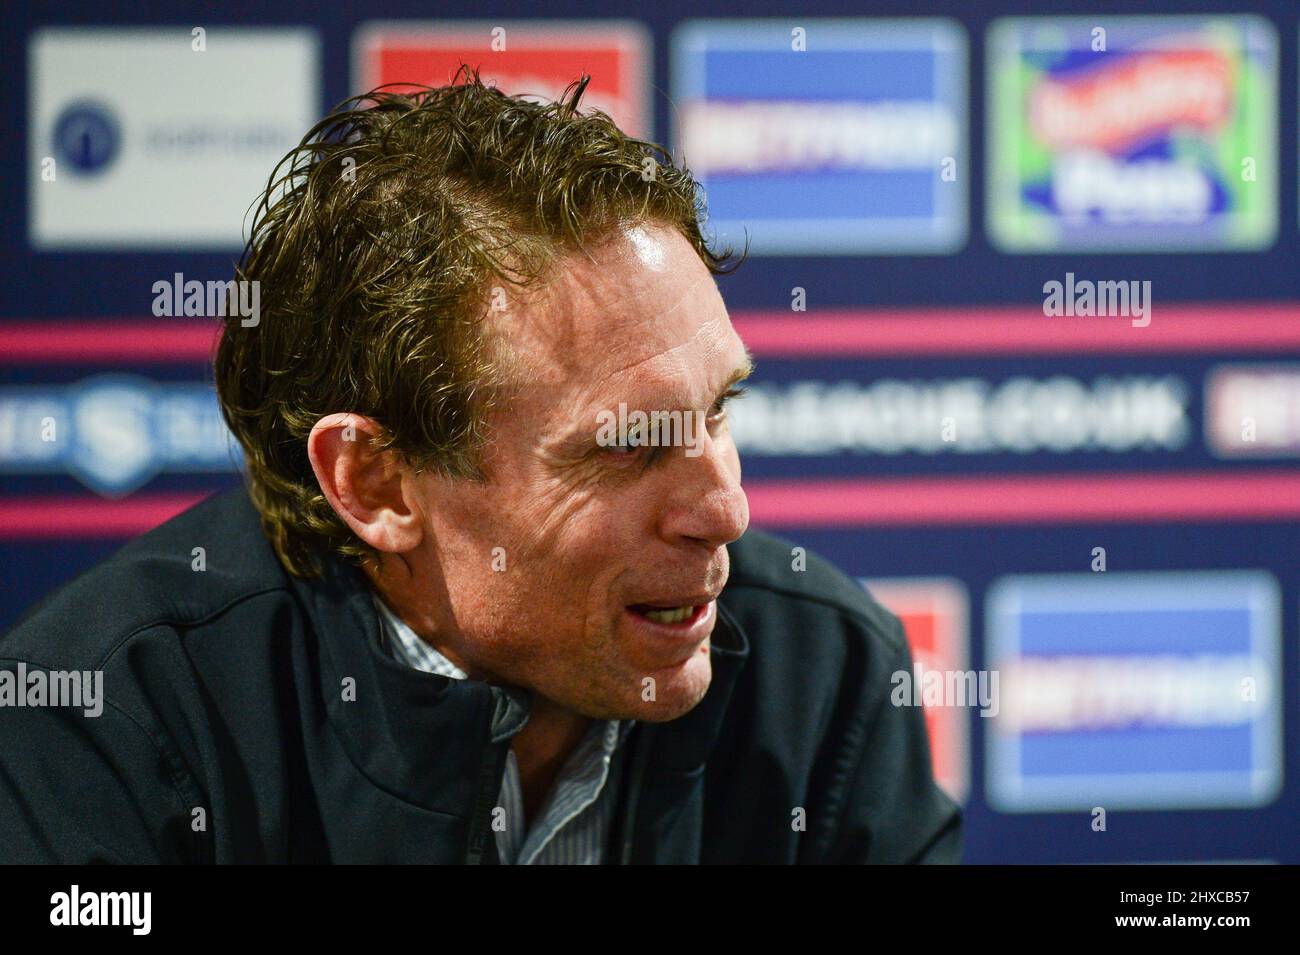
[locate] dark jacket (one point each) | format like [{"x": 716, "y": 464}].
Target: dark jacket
[{"x": 225, "y": 735}]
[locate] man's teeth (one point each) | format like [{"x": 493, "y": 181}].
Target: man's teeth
[{"x": 672, "y": 615}]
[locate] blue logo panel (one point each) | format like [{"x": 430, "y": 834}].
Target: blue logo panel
[
  {"x": 830, "y": 137},
  {"x": 114, "y": 432},
  {"x": 1135, "y": 691}
]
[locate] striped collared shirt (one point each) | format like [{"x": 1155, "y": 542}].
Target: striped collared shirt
[{"x": 572, "y": 826}]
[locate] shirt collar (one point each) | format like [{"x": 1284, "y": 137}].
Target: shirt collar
[
  {"x": 420, "y": 735},
  {"x": 405, "y": 645}
]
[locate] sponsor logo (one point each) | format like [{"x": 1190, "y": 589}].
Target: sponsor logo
[
  {"x": 1142, "y": 133},
  {"x": 538, "y": 59},
  {"x": 114, "y": 433},
  {"x": 1147, "y": 94},
  {"x": 890, "y": 416},
  {"x": 830, "y": 137},
  {"x": 114, "y": 164},
  {"x": 1253, "y": 411},
  {"x": 934, "y": 617},
  {"x": 86, "y": 137},
  {"x": 1135, "y": 690}
]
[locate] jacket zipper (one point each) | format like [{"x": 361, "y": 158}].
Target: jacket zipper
[
  {"x": 627, "y": 825},
  {"x": 489, "y": 788}
]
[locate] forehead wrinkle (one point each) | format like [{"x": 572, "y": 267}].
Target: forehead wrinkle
[
  {"x": 657, "y": 320},
  {"x": 710, "y": 350}
]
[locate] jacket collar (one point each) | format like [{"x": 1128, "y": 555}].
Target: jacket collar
[
  {"x": 421, "y": 736},
  {"x": 684, "y": 744},
  {"x": 417, "y": 735}
]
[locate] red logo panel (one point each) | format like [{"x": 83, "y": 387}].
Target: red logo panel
[
  {"x": 933, "y": 613},
  {"x": 537, "y": 59}
]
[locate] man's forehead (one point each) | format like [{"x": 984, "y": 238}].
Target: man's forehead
[{"x": 642, "y": 303}]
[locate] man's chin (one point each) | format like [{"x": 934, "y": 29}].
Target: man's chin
[
  {"x": 670, "y": 692},
  {"x": 645, "y": 694}
]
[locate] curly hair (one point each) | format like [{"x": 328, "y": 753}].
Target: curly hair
[{"x": 376, "y": 246}]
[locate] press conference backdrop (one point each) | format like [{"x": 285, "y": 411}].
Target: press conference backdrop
[{"x": 1022, "y": 292}]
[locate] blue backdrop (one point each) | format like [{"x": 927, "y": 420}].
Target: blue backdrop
[{"x": 879, "y": 505}]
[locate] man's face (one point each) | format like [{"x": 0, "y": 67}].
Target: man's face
[{"x": 543, "y": 576}]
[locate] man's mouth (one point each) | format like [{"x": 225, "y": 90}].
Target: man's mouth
[
  {"x": 675, "y": 629},
  {"x": 669, "y": 615}
]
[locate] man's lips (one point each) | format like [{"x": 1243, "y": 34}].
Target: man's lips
[
  {"x": 686, "y": 599},
  {"x": 677, "y": 637},
  {"x": 671, "y": 615},
  {"x": 673, "y": 610},
  {"x": 677, "y": 622}
]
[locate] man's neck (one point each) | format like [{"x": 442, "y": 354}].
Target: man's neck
[
  {"x": 541, "y": 748},
  {"x": 552, "y": 732}
]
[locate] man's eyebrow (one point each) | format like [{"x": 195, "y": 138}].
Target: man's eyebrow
[
  {"x": 740, "y": 374},
  {"x": 580, "y": 434}
]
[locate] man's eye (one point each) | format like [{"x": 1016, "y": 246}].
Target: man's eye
[
  {"x": 630, "y": 445},
  {"x": 720, "y": 406}
]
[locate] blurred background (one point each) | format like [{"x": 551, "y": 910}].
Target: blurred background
[{"x": 1022, "y": 291}]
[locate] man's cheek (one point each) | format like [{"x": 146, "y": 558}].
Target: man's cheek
[
  {"x": 584, "y": 532},
  {"x": 567, "y": 500}
]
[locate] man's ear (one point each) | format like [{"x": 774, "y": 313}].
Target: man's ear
[{"x": 370, "y": 490}]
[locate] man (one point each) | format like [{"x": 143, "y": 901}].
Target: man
[{"x": 458, "y": 615}]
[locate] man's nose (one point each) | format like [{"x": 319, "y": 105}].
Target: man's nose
[{"x": 707, "y": 503}]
